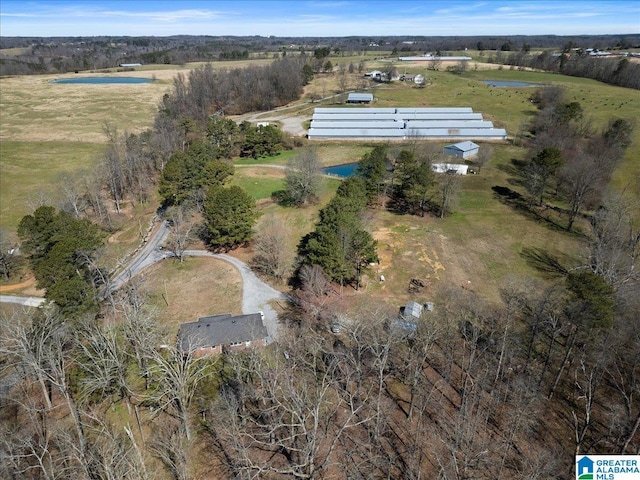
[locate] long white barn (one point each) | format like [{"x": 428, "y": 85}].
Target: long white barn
[{"x": 459, "y": 123}]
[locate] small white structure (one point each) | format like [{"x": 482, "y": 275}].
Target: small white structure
[
  {"x": 450, "y": 168},
  {"x": 360, "y": 98},
  {"x": 461, "y": 150},
  {"x": 427, "y": 58},
  {"x": 373, "y": 74}
]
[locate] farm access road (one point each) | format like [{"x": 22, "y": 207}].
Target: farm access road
[{"x": 256, "y": 294}]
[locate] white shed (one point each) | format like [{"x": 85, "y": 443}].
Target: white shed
[
  {"x": 461, "y": 150},
  {"x": 450, "y": 168}
]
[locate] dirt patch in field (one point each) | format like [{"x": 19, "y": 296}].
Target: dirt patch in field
[
  {"x": 18, "y": 286},
  {"x": 265, "y": 172}
]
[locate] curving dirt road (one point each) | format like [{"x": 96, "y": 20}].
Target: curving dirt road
[{"x": 256, "y": 294}]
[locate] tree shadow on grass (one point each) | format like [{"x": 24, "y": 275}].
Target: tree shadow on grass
[
  {"x": 547, "y": 262},
  {"x": 519, "y": 203},
  {"x": 514, "y": 167},
  {"x": 510, "y": 197}
]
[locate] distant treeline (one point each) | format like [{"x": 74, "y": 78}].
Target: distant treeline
[
  {"x": 614, "y": 70},
  {"x": 37, "y": 55}
]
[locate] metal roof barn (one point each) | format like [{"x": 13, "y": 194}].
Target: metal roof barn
[
  {"x": 356, "y": 133},
  {"x": 432, "y": 123},
  {"x": 356, "y": 117},
  {"x": 435, "y": 110},
  {"x": 399, "y": 117},
  {"x": 461, "y": 149},
  {"x": 360, "y": 98},
  {"x": 448, "y": 124},
  {"x": 441, "y": 116},
  {"x": 353, "y": 124},
  {"x": 354, "y": 110}
]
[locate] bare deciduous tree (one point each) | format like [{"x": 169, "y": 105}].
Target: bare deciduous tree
[
  {"x": 303, "y": 411},
  {"x": 449, "y": 187},
  {"x": 180, "y": 231},
  {"x": 273, "y": 252},
  {"x": 177, "y": 373},
  {"x": 485, "y": 154},
  {"x": 303, "y": 178}
]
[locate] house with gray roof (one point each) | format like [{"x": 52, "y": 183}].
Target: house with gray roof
[{"x": 214, "y": 333}]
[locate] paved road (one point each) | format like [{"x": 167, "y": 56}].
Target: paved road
[
  {"x": 26, "y": 301},
  {"x": 149, "y": 254}
]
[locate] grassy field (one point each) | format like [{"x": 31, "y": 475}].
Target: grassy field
[
  {"x": 50, "y": 130},
  {"x": 182, "y": 292}
]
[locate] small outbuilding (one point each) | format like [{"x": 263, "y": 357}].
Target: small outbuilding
[
  {"x": 412, "y": 311},
  {"x": 211, "y": 334},
  {"x": 450, "y": 168},
  {"x": 461, "y": 150},
  {"x": 360, "y": 98}
]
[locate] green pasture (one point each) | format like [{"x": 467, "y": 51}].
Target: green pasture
[
  {"x": 34, "y": 172},
  {"x": 281, "y": 158},
  {"x": 259, "y": 187}
]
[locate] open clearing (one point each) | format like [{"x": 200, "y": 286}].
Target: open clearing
[
  {"x": 49, "y": 130},
  {"x": 182, "y": 292}
]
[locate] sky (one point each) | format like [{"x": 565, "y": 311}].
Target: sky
[{"x": 330, "y": 18}]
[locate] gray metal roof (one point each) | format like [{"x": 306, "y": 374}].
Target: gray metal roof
[
  {"x": 360, "y": 97},
  {"x": 354, "y": 110},
  {"x": 399, "y": 117},
  {"x": 356, "y": 133},
  {"x": 441, "y": 116},
  {"x": 354, "y": 124},
  {"x": 401, "y": 110},
  {"x": 433, "y": 133},
  {"x": 222, "y": 329},
  {"x": 423, "y": 122},
  {"x": 412, "y": 310},
  {"x": 448, "y": 124},
  {"x": 462, "y": 146},
  {"x": 435, "y": 110}
]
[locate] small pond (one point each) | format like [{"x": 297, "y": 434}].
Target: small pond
[
  {"x": 508, "y": 83},
  {"x": 102, "y": 80},
  {"x": 343, "y": 171}
]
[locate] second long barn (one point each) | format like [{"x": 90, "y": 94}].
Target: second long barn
[{"x": 436, "y": 123}]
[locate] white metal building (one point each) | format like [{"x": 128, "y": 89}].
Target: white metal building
[
  {"x": 461, "y": 150},
  {"x": 360, "y": 98},
  {"x": 440, "y": 123}
]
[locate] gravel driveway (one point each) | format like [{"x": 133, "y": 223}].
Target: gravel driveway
[{"x": 256, "y": 294}]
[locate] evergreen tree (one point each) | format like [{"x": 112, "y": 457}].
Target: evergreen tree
[
  {"x": 339, "y": 244},
  {"x": 61, "y": 250},
  {"x": 416, "y": 178},
  {"x": 373, "y": 167},
  {"x": 229, "y": 217}
]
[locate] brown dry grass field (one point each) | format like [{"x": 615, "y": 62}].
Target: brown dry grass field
[
  {"x": 182, "y": 292},
  {"x": 48, "y": 128}
]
